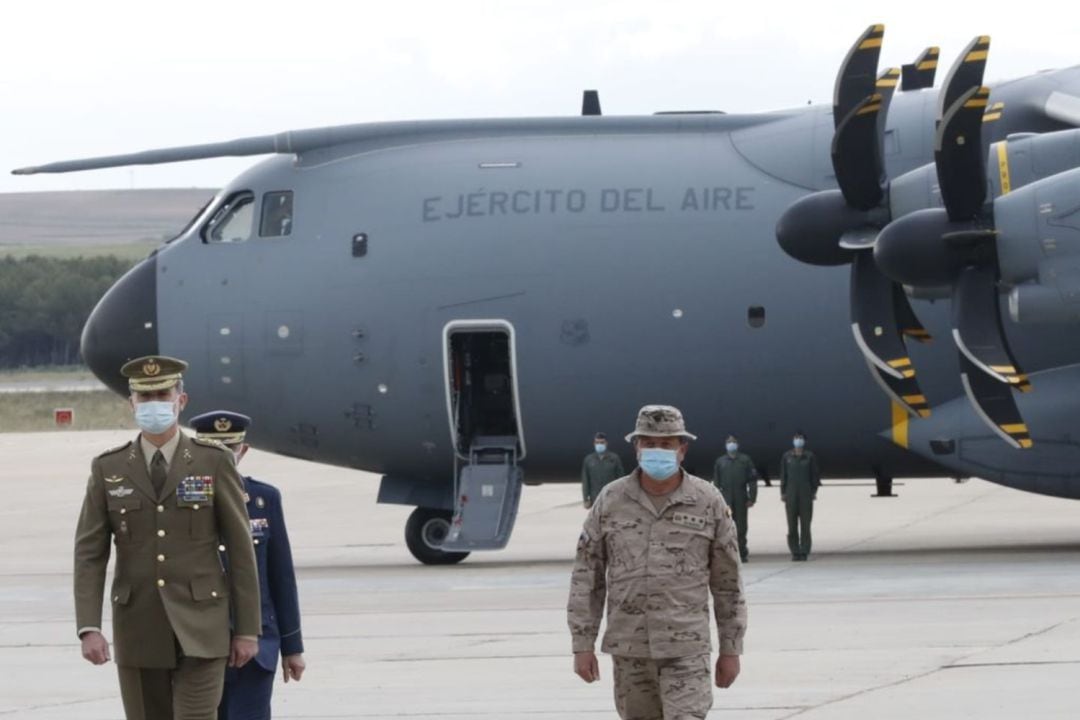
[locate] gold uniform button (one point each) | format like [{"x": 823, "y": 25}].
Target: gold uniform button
[
  {"x": 161, "y": 508},
  {"x": 161, "y": 558},
  {"x": 221, "y": 548},
  {"x": 195, "y": 506},
  {"x": 256, "y": 541},
  {"x": 123, "y": 511},
  {"x": 116, "y": 598},
  {"x": 161, "y": 533},
  {"x": 161, "y": 583},
  {"x": 213, "y": 593}
]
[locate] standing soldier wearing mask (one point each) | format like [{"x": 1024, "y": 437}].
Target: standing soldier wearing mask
[
  {"x": 656, "y": 544},
  {"x": 248, "y": 690},
  {"x": 799, "y": 483},
  {"x": 599, "y": 469},
  {"x": 734, "y": 473},
  {"x": 166, "y": 501}
]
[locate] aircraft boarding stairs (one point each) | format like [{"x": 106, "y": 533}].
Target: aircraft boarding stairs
[{"x": 487, "y": 494}]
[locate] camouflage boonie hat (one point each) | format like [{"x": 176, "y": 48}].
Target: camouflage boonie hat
[
  {"x": 153, "y": 372},
  {"x": 660, "y": 421}
]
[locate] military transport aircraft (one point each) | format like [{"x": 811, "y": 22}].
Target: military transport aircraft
[{"x": 459, "y": 305}]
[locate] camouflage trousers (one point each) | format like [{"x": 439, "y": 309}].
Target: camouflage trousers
[{"x": 663, "y": 689}]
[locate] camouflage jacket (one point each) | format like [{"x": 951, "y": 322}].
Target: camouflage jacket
[{"x": 656, "y": 571}]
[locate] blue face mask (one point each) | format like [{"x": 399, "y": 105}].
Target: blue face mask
[
  {"x": 600, "y": 448},
  {"x": 155, "y": 417},
  {"x": 798, "y": 442},
  {"x": 733, "y": 448},
  {"x": 658, "y": 463}
]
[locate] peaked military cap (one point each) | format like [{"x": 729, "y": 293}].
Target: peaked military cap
[
  {"x": 228, "y": 428},
  {"x": 660, "y": 421},
  {"x": 153, "y": 372}
]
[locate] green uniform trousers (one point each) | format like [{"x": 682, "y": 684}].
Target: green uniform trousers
[
  {"x": 190, "y": 691},
  {"x": 800, "y": 511},
  {"x": 662, "y": 689}
]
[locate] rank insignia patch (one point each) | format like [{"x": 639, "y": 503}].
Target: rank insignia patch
[
  {"x": 691, "y": 521},
  {"x": 114, "y": 479},
  {"x": 121, "y": 492}
]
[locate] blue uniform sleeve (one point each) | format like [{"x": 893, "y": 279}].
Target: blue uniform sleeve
[{"x": 282, "y": 581}]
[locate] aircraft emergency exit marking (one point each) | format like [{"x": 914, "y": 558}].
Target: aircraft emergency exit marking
[{"x": 501, "y": 203}]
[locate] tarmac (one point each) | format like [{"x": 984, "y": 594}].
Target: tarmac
[{"x": 949, "y": 601}]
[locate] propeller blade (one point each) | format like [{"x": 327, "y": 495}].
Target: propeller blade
[
  {"x": 977, "y": 327},
  {"x": 885, "y": 86},
  {"x": 959, "y": 155},
  {"x": 909, "y": 324},
  {"x": 966, "y": 73},
  {"x": 873, "y": 318},
  {"x": 856, "y": 155},
  {"x": 590, "y": 103},
  {"x": 904, "y": 392},
  {"x": 856, "y": 77},
  {"x": 995, "y": 405},
  {"x": 920, "y": 74}
]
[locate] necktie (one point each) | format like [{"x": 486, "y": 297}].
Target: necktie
[{"x": 158, "y": 471}]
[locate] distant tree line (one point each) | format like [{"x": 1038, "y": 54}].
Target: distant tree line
[{"x": 44, "y": 303}]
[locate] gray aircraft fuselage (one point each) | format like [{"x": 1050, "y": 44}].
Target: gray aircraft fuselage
[{"x": 624, "y": 252}]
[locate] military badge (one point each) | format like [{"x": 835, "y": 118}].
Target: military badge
[
  {"x": 695, "y": 522},
  {"x": 121, "y": 492},
  {"x": 195, "y": 489},
  {"x": 114, "y": 479},
  {"x": 223, "y": 424},
  {"x": 259, "y": 526},
  {"x": 151, "y": 368},
  {"x": 259, "y": 502}
]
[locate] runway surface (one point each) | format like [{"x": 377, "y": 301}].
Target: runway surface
[{"x": 949, "y": 601}]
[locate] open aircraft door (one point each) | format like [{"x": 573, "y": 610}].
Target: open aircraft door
[{"x": 482, "y": 399}]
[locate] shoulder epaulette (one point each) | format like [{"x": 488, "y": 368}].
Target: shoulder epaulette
[
  {"x": 209, "y": 442},
  {"x": 118, "y": 448}
]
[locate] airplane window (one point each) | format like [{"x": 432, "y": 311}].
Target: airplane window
[
  {"x": 233, "y": 220},
  {"x": 755, "y": 316},
  {"x": 276, "y": 214}
]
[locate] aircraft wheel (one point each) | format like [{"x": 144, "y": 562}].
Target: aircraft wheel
[{"x": 424, "y": 533}]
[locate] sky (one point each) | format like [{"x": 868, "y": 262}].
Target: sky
[{"x": 80, "y": 79}]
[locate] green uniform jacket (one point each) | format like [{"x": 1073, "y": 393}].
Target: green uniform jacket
[
  {"x": 799, "y": 475},
  {"x": 737, "y": 479},
  {"x": 168, "y": 578},
  {"x": 597, "y": 471}
]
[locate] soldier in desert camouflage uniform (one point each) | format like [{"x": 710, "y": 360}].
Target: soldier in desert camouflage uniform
[{"x": 655, "y": 545}]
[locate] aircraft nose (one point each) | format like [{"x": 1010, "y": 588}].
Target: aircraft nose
[{"x": 123, "y": 325}]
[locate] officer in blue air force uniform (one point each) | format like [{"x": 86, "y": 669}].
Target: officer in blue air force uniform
[{"x": 248, "y": 689}]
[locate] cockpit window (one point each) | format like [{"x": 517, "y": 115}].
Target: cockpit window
[
  {"x": 233, "y": 221},
  {"x": 276, "y": 218}
]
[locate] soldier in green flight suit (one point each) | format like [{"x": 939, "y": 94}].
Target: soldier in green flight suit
[
  {"x": 734, "y": 473},
  {"x": 799, "y": 483},
  {"x": 598, "y": 469}
]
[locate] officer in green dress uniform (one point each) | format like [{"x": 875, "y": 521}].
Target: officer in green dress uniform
[{"x": 166, "y": 501}]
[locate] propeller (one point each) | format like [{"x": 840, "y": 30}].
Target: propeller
[
  {"x": 956, "y": 245},
  {"x": 841, "y": 225}
]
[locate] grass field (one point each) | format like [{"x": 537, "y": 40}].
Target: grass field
[
  {"x": 126, "y": 251},
  {"x": 33, "y": 412},
  {"x": 57, "y": 373}
]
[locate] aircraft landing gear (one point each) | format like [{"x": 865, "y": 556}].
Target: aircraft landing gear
[
  {"x": 424, "y": 534},
  {"x": 884, "y": 484}
]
